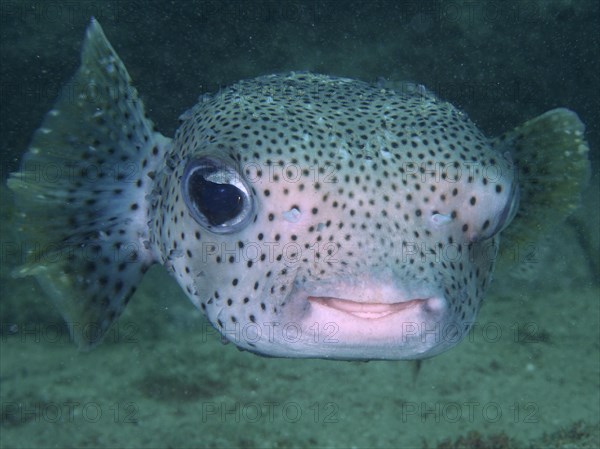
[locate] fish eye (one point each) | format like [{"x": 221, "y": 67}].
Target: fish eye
[
  {"x": 511, "y": 210},
  {"x": 507, "y": 214},
  {"x": 216, "y": 195}
]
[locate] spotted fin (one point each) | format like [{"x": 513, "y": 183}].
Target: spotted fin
[
  {"x": 551, "y": 156},
  {"x": 82, "y": 191}
]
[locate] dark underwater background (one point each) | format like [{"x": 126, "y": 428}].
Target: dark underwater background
[{"x": 165, "y": 381}]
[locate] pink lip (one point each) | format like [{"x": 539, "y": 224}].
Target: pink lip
[{"x": 371, "y": 311}]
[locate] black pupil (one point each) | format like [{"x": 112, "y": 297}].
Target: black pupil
[{"x": 219, "y": 203}]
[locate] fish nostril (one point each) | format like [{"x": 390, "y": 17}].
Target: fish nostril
[{"x": 440, "y": 219}]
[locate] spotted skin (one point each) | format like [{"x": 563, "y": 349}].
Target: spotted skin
[
  {"x": 364, "y": 222},
  {"x": 346, "y": 155}
]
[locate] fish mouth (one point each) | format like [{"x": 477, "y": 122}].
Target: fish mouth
[
  {"x": 359, "y": 321},
  {"x": 366, "y": 311},
  {"x": 386, "y": 326}
]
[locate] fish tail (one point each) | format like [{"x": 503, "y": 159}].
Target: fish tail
[{"x": 82, "y": 193}]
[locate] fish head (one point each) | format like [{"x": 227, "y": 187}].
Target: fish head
[{"x": 313, "y": 216}]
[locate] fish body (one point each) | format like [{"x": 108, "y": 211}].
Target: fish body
[{"x": 306, "y": 215}]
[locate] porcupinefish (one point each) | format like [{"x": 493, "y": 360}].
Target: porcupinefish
[{"x": 306, "y": 215}]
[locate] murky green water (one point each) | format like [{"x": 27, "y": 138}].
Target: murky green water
[{"x": 528, "y": 374}]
